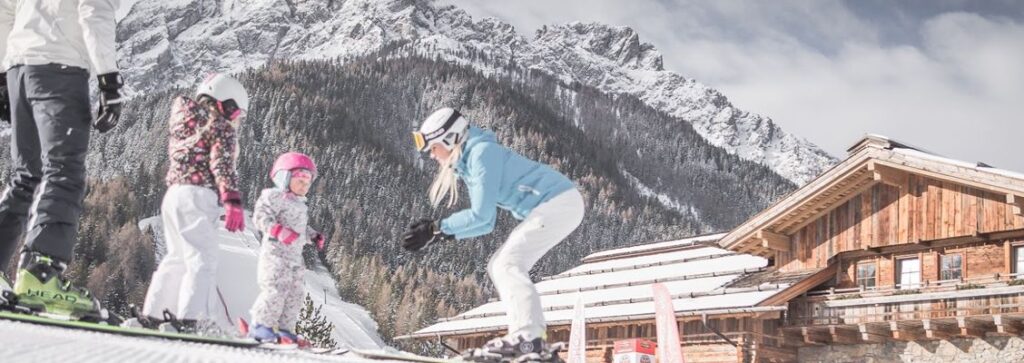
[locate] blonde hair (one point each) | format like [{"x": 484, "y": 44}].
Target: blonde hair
[{"x": 445, "y": 183}]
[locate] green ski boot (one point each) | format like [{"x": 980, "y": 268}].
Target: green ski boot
[{"x": 40, "y": 287}]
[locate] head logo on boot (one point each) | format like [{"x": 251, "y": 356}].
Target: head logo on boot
[
  {"x": 526, "y": 347},
  {"x": 46, "y": 295}
]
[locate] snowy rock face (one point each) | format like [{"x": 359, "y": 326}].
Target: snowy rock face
[{"x": 173, "y": 43}]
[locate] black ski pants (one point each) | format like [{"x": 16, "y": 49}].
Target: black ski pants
[{"x": 50, "y": 120}]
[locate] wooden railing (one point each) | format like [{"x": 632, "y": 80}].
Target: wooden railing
[{"x": 996, "y": 294}]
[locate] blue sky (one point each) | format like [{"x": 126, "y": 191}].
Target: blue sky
[{"x": 944, "y": 75}]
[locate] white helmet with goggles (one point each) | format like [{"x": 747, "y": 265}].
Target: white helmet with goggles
[
  {"x": 231, "y": 96},
  {"x": 446, "y": 126}
]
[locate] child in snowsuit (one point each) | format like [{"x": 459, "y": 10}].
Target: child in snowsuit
[
  {"x": 202, "y": 185},
  {"x": 281, "y": 214}
]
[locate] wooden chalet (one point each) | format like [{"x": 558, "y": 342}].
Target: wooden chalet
[{"x": 894, "y": 245}]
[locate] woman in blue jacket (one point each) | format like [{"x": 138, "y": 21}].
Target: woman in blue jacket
[{"x": 547, "y": 203}]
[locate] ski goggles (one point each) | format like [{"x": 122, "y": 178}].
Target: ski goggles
[
  {"x": 230, "y": 109},
  {"x": 302, "y": 174},
  {"x": 422, "y": 140}
]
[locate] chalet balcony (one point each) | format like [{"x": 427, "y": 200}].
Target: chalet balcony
[{"x": 987, "y": 306}]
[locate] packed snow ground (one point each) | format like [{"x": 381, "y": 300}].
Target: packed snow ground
[{"x": 24, "y": 342}]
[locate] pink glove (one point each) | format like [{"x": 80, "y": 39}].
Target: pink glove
[
  {"x": 234, "y": 216},
  {"x": 284, "y": 234},
  {"x": 318, "y": 238}
]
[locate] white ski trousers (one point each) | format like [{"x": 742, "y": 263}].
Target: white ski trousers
[
  {"x": 185, "y": 280},
  {"x": 509, "y": 268}
]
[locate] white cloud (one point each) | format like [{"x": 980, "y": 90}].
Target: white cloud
[
  {"x": 824, "y": 73},
  {"x": 956, "y": 95}
]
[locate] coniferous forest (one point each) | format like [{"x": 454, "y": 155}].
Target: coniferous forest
[{"x": 354, "y": 118}]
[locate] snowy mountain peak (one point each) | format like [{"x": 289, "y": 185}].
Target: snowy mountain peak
[
  {"x": 173, "y": 43},
  {"x": 616, "y": 43}
]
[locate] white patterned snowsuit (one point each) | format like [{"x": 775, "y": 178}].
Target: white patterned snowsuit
[{"x": 280, "y": 270}]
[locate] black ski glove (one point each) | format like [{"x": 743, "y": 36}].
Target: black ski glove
[
  {"x": 5, "y": 99},
  {"x": 423, "y": 233},
  {"x": 110, "y": 101}
]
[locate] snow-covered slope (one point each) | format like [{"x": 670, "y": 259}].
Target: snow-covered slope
[
  {"x": 24, "y": 342},
  {"x": 237, "y": 289},
  {"x": 172, "y": 43}
]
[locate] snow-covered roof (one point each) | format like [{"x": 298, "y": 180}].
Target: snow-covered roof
[
  {"x": 652, "y": 247},
  {"x": 616, "y": 285},
  {"x": 914, "y": 156}
]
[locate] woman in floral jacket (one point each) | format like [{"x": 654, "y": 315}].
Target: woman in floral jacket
[{"x": 202, "y": 185}]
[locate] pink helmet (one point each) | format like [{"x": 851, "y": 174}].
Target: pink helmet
[{"x": 281, "y": 172}]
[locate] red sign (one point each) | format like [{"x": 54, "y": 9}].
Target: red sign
[{"x": 635, "y": 346}]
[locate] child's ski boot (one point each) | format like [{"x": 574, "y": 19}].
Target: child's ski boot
[
  {"x": 288, "y": 337},
  {"x": 514, "y": 350},
  {"x": 263, "y": 334},
  {"x": 41, "y": 287}
]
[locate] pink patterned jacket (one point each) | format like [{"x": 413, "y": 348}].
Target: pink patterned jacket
[{"x": 203, "y": 149}]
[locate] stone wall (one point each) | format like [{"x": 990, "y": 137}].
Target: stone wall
[{"x": 987, "y": 350}]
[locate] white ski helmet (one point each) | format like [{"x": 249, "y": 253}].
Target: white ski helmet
[
  {"x": 446, "y": 126},
  {"x": 223, "y": 88}
]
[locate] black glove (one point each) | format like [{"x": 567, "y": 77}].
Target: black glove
[
  {"x": 423, "y": 233},
  {"x": 110, "y": 101},
  {"x": 5, "y": 99}
]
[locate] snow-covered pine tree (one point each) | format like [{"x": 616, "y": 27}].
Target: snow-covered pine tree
[{"x": 314, "y": 325}]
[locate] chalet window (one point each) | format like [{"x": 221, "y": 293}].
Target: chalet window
[
  {"x": 951, "y": 267},
  {"x": 1018, "y": 261},
  {"x": 909, "y": 270},
  {"x": 866, "y": 274}
]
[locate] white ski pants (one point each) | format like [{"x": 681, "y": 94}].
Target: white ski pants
[
  {"x": 184, "y": 282},
  {"x": 509, "y": 268}
]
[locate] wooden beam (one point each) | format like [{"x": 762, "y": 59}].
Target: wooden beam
[
  {"x": 801, "y": 287},
  {"x": 961, "y": 177},
  {"x": 814, "y": 337},
  {"x": 862, "y": 184},
  {"x": 973, "y": 327},
  {"x": 769, "y": 315},
  {"x": 792, "y": 338},
  {"x": 889, "y": 176},
  {"x": 844, "y": 335},
  {"x": 1005, "y": 326},
  {"x": 1017, "y": 202},
  {"x": 773, "y": 241},
  {"x": 939, "y": 330},
  {"x": 874, "y": 333},
  {"x": 906, "y": 332}
]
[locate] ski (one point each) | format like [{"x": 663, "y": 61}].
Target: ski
[
  {"x": 113, "y": 329},
  {"x": 408, "y": 357}
]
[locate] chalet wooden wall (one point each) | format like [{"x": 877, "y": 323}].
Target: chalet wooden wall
[
  {"x": 978, "y": 260},
  {"x": 920, "y": 209}
]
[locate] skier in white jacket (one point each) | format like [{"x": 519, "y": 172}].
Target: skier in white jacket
[
  {"x": 281, "y": 214},
  {"x": 48, "y": 49}
]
